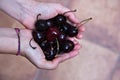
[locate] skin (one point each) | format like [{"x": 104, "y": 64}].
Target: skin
[{"x": 25, "y": 11}]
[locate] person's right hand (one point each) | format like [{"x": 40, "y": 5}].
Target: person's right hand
[{"x": 36, "y": 56}]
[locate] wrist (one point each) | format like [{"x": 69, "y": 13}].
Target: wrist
[{"x": 8, "y": 41}]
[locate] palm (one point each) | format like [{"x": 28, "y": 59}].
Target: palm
[{"x": 36, "y": 56}]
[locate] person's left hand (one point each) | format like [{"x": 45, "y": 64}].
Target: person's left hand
[{"x": 37, "y": 57}]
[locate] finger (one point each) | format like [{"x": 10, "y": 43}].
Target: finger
[
  {"x": 72, "y": 18},
  {"x": 73, "y": 39},
  {"x": 81, "y": 28},
  {"x": 79, "y": 36}
]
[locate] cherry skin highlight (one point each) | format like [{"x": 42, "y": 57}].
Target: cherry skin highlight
[{"x": 52, "y": 33}]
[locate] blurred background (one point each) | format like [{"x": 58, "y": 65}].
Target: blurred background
[{"x": 102, "y": 37}]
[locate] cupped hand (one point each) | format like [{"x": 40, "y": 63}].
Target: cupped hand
[{"x": 36, "y": 56}]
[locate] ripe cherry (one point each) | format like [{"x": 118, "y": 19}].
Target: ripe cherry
[
  {"x": 52, "y": 33},
  {"x": 38, "y": 36},
  {"x": 44, "y": 44},
  {"x": 73, "y": 31},
  {"x": 40, "y": 25},
  {"x": 67, "y": 46},
  {"x": 50, "y": 53},
  {"x": 61, "y": 37},
  {"x": 61, "y": 18},
  {"x": 64, "y": 27},
  {"x": 50, "y": 22}
]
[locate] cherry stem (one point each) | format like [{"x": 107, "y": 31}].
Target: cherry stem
[
  {"x": 31, "y": 45},
  {"x": 38, "y": 16},
  {"x": 58, "y": 46},
  {"x": 69, "y": 11},
  {"x": 84, "y": 21}
]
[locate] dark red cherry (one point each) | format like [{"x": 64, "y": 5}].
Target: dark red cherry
[
  {"x": 40, "y": 25},
  {"x": 38, "y": 36},
  {"x": 52, "y": 33},
  {"x": 44, "y": 44},
  {"x": 61, "y": 37},
  {"x": 67, "y": 46},
  {"x": 60, "y": 19},
  {"x": 50, "y": 54},
  {"x": 64, "y": 27},
  {"x": 50, "y": 22},
  {"x": 73, "y": 31}
]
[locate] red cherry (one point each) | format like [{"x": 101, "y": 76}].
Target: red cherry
[{"x": 52, "y": 33}]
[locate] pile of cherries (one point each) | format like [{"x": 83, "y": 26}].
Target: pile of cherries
[{"x": 51, "y": 35}]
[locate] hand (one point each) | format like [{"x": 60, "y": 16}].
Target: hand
[
  {"x": 47, "y": 11},
  {"x": 36, "y": 56},
  {"x": 25, "y": 11}
]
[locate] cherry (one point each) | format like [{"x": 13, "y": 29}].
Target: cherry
[
  {"x": 61, "y": 18},
  {"x": 73, "y": 31},
  {"x": 64, "y": 27},
  {"x": 67, "y": 46},
  {"x": 50, "y": 53},
  {"x": 52, "y": 33},
  {"x": 40, "y": 25},
  {"x": 38, "y": 36},
  {"x": 50, "y": 22},
  {"x": 61, "y": 37}
]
